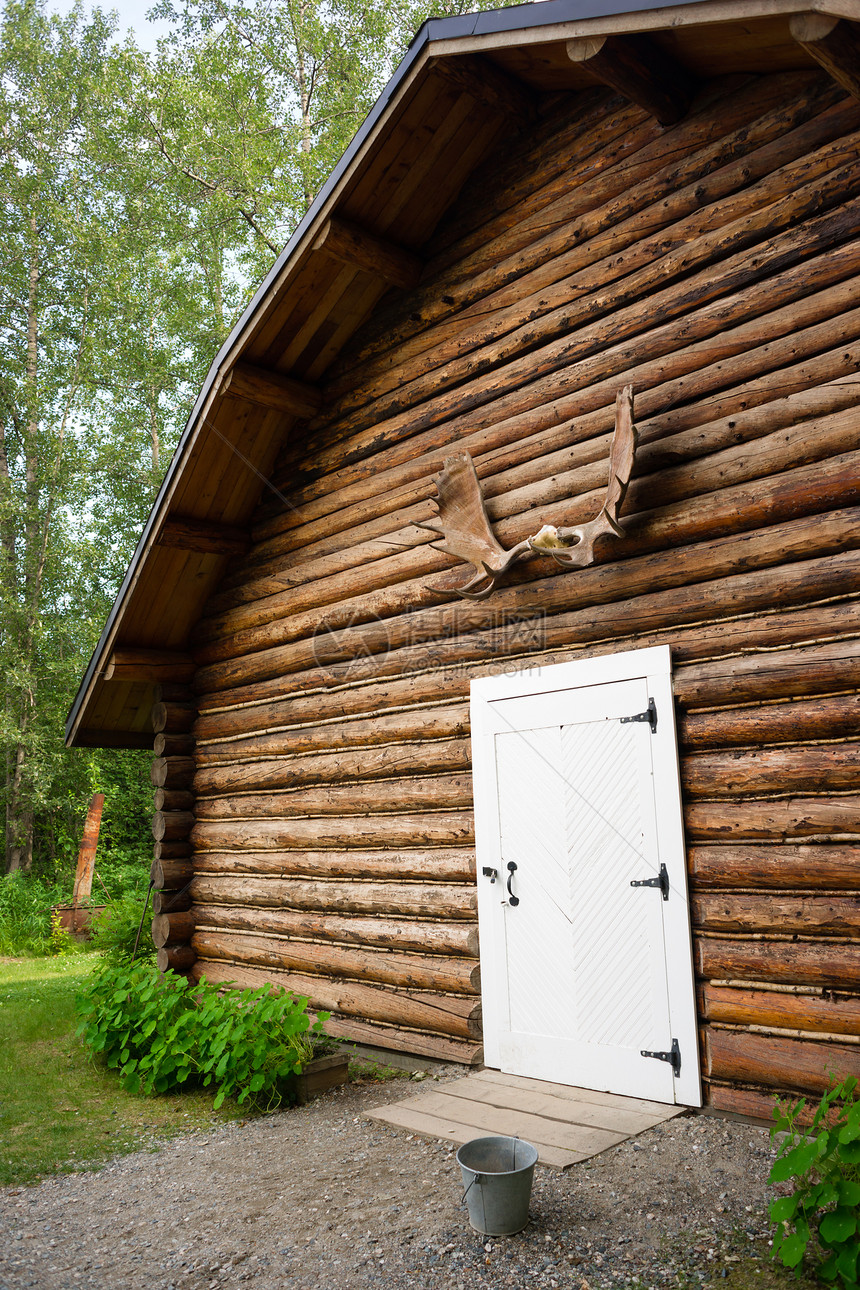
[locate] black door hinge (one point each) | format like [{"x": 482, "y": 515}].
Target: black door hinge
[
  {"x": 649, "y": 715},
  {"x": 661, "y": 881},
  {"x": 673, "y": 1057}
]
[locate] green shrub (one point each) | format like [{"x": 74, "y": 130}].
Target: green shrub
[
  {"x": 115, "y": 931},
  {"x": 25, "y": 915},
  {"x": 161, "y": 1034},
  {"x": 820, "y": 1217}
]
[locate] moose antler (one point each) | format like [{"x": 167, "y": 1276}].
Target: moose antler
[
  {"x": 465, "y": 526},
  {"x": 467, "y": 532},
  {"x": 576, "y": 548}
]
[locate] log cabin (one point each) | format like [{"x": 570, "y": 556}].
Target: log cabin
[{"x": 638, "y": 780}]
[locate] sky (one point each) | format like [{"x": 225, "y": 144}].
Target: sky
[{"x": 132, "y": 14}]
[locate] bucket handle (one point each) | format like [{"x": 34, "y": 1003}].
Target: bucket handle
[{"x": 476, "y": 1179}]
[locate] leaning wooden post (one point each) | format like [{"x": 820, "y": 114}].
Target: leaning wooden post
[
  {"x": 87, "y": 857},
  {"x": 173, "y": 714}
]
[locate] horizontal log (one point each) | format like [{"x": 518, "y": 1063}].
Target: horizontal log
[
  {"x": 170, "y": 902},
  {"x": 401, "y": 613},
  {"x": 172, "y": 825},
  {"x": 173, "y": 799},
  {"x": 172, "y": 772},
  {"x": 173, "y": 718},
  {"x": 764, "y": 238},
  {"x": 171, "y": 875},
  {"x": 834, "y": 1013},
  {"x": 413, "y": 899},
  {"x": 439, "y": 1047},
  {"x": 807, "y": 670},
  {"x": 792, "y": 333},
  {"x": 710, "y": 497},
  {"x": 172, "y": 851},
  {"x": 828, "y": 867},
  {"x": 815, "y": 768},
  {"x": 808, "y": 915},
  {"x": 805, "y": 1065},
  {"x": 773, "y": 821},
  {"x": 824, "y": 963},
  {"x": 443, "y": 865},
  {"x": 621, "y": 185},
  {"x": 385, "y": 727},
  {"x": 276, "y": 705},
  {"x": 455, "y": 939},
  {"x": 175, "y": 958},
  {"x": 272, "y": 706},
  {"x": 445, "y": 1014},
  {"x": 792, "y": 721},
  {"x": 173, "y": 692},
  {"x": 812, "y": 387},
  {"x": 754, "y": 1104},
  {"x": 165, "y": 745},
  {"x": 438, "y": 828},
  {"x": 368, "y": 797},
  {"x": 409, "y": 971},
  {"x": 334, "y": 767},
  {"x": 172, "y": 929}
]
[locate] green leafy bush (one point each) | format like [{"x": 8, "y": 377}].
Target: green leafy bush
[
  {"x": 115, "y": 931},
  {"x": 161, "y": 1034},
  {"x": 25, "y": 915},
  {"x": 823, "y": 1163}
]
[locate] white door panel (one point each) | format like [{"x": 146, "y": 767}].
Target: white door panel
[{"x": 585, "y": 971}]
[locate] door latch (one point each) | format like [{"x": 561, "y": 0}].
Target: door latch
[
  {"x": 649, "y": 715},
  {"x": 673, "y": 1057},
  {"x": 492, "y": 874},
  {"x": 661, "y": 881}
]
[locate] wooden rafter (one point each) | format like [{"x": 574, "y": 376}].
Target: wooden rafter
[
  {"x": 271, "y": 390},
  {"x": 638, "y": 68},
  {"x": 353, "y": 245},
  {"x": 202, "y": 535},
  {"x": 90, "y": 738},
  {"x": 134, "y": 663},
  {"x": 832, "y": 42},
  {"x": 485, "y": 82}
]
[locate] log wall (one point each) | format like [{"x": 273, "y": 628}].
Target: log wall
[{"x": 715, "y": 266}]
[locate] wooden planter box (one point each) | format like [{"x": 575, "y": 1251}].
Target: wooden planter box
[
  {"x": 320, "y": 1074},
  {"x": 78, "y": 918}
]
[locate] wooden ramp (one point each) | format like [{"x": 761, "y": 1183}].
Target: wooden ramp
[{"x": 565, "y": 1124}]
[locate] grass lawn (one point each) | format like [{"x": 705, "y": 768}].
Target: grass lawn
[{"x": 58, "y": 1109}]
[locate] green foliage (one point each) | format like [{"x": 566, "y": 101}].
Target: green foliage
[
  {"x": 25, "y": 915},
  {"x": 115, "y": 932},
  {"x": 822, "y": 1161},
  {"x": 160, "y": 1034},
  {"x": 60, "y": 1110}
]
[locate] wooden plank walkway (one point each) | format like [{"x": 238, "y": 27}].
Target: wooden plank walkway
[{"x": 566, "y": 1125}]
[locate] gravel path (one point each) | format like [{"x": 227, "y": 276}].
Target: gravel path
[{"x": 319, "y": 1197}]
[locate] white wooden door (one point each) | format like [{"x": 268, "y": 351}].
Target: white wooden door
[{"x": 586, "y": 960}]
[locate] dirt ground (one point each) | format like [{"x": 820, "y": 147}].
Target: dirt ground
[{"x": 318, "y": 1196}]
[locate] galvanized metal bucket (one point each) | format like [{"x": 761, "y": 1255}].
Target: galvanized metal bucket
[{"x": 497, "y": 1174}]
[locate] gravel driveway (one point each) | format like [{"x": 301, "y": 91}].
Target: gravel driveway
[{"x": 319, "y": 1197}]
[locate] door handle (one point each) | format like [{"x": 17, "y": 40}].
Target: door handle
[{"x": 512, "y": 868}]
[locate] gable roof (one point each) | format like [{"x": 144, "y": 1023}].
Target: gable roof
[{"x": 462, "y": 83}]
